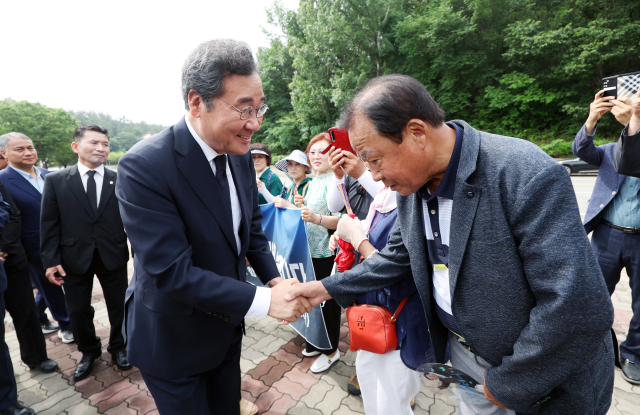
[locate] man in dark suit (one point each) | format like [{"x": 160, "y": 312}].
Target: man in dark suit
[
  {"x": 18, "y": 297},
  {"x": 189, "y": 203},
  {"x": 25, "y": 183},
  {"x": 81, "y": 236},
  {"x": 8, "y": 391},
  {"x": 489, "y": 228}
]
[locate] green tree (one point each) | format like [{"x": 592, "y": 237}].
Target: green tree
[{"x": 50, "y": 129}]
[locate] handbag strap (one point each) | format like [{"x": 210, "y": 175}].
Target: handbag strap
[{"x": 393, "y": 319}]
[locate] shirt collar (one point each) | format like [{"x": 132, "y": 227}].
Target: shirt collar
[
  {"x": 209, "y": 153},
  {"x": 27, "y": 175},
  {"x": 448, "y": 184},
  {"x": 82, "y": 169}
]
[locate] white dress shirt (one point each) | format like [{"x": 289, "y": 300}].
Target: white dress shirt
[
  {"x": 98, "y": 177},
  {"x": 262, "y": 300}
]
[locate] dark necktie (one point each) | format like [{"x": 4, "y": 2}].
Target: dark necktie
[
  {"x": 91, "y": 191},
  {"x": 223, "y": 182}
]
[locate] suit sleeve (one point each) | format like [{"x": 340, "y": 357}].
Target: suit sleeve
[
  {"x": 385, "y": 268},
  {"x": 10, "y": 238},
  {"x": 573, "y": 312},
  {"x": 258, "y": 252},
  {"x": 49, "y": 226},
  {"x": 626, "y": 159},
  {"x": 584, "y": 148},
  {"x": 158, "y": 237}
]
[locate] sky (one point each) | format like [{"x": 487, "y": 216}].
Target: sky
[{"x": 118, "y": 57}]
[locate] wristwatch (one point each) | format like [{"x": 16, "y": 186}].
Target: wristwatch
[{"x": 3, "y": 254}]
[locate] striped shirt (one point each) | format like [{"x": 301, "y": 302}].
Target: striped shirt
[{"x": 436, "y": 211}]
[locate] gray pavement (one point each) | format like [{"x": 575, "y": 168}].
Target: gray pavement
[{"x": 275, "y": 374}]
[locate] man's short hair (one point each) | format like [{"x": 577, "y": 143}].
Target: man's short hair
[
  {"x": 390, "y": 102},
  {"x": 4, "y": 139},
  {"x": 206, "y": 68},
  {"x": 79, "y": 132}
]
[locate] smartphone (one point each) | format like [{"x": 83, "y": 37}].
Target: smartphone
[
  {"x": 621, "y": 86},
  {"x": 339, "y": 139}
]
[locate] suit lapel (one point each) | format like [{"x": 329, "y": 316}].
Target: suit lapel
[
  {"x": 197, "y": 172},
  {"x": 108, "y": 184},
  {"x": 245, "y": 206},
  {"x": 465, "y": 203},
  {"x": 24, "y": 185},
  {"x": 75, "y": 184}
]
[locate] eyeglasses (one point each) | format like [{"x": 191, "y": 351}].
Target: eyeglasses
[{"x": 246, "y": 113}]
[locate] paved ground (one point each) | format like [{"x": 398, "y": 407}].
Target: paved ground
[{"x": 275, "y": 374}]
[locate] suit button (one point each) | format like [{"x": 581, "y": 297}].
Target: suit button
[{"x": 470, "y": 195}]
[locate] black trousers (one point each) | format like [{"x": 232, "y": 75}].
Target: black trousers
[
  {"x": 331, "y": 311},
  {"x": 214, "y": 392},
  {"x": 78, "y": 289},
  {"x": 21, "y": 305},
  {"x": 8, "y": 390}
]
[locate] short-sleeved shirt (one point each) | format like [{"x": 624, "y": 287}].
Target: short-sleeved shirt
[{"x": 316, "y": 200}]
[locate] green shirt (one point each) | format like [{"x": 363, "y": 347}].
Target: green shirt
[
  {"x": 273, "y": 183},
  {"x": 316, "y": 200},
  {"x": 303, "y": 188}
]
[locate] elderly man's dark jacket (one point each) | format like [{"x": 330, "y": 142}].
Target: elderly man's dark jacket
[{"x": 527, "y": 292}]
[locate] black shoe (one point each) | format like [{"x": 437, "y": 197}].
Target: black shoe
[
  {"x": 17, "y": 409},
  {"x": 630, "y": 371},
  {"x": 86, "y": 365},
  {"x": 48, "y": 327},
  {"x": 47, "y": 366},
  {"x": 120, "y": 357}
]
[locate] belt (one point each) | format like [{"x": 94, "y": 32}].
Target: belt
[{"x": 625, "y": 229}]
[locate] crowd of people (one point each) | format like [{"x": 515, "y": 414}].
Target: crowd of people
[{"x": 473, "y": 240}]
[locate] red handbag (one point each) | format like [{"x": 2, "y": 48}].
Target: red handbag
[{"x": 372, "y": 328}]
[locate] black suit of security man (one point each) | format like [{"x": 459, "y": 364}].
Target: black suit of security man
[
  {"x": 86, "y": 241},
  {"x": 18, "y": 297}
]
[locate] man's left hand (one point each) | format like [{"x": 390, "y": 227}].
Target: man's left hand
[{"x": 50, "y": 273}]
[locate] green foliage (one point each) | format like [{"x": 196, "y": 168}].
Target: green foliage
[
  {"x": 50, "y": 129},
  {"x": 114, "y": 156},
  {"x": 526, "y": 68}
]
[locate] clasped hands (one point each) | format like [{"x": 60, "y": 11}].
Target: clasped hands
[{"x": 289, "y": 299}]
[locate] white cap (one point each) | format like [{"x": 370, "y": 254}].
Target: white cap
[
  {"x": 297, "y": 156},
  {"x": 259, "y": 152}
]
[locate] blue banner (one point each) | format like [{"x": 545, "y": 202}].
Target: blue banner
[{"x": 287, "y": 237}]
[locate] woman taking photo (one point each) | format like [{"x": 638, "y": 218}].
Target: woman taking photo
[
  {"x": 314, "y": 210},
  {"x": 297, "y": 166}
]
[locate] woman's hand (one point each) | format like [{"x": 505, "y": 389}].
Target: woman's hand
[
  {"x": 333, "y": 242},
  {"x": 283, "y": 203},
  {"x": 350, "y": 230},
  {"x": 309, "y": 215},
  {"x": 298, "y": 200},
  {"x": 260, "y": 184}
]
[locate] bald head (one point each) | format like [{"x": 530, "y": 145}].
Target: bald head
[{"x": 390, "y": 102}]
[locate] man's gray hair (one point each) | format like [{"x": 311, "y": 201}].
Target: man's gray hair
[
  {"x": 4, "y": 139},
  {"x": 206, "y": 68}
]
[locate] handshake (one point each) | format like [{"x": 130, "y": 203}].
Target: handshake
[{"x": 290, "y": 299}]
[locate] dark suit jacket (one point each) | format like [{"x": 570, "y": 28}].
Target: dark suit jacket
[
  {"x": 28, "y": 200},
  {"x": 69, "y": 232},
  {"x": 527, "y": 293},
  {"x": 188, "y": 293},
  {"x": 10, "y": 236},
  {"x": 627, "y": 155},
  {"x": 608, "y": 182}
]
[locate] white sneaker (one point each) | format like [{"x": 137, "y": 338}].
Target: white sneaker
[
  {"x": 66, "y": 336},
  {"x": 323, "y": 362},
  {"x": 310, "y": 354}
]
